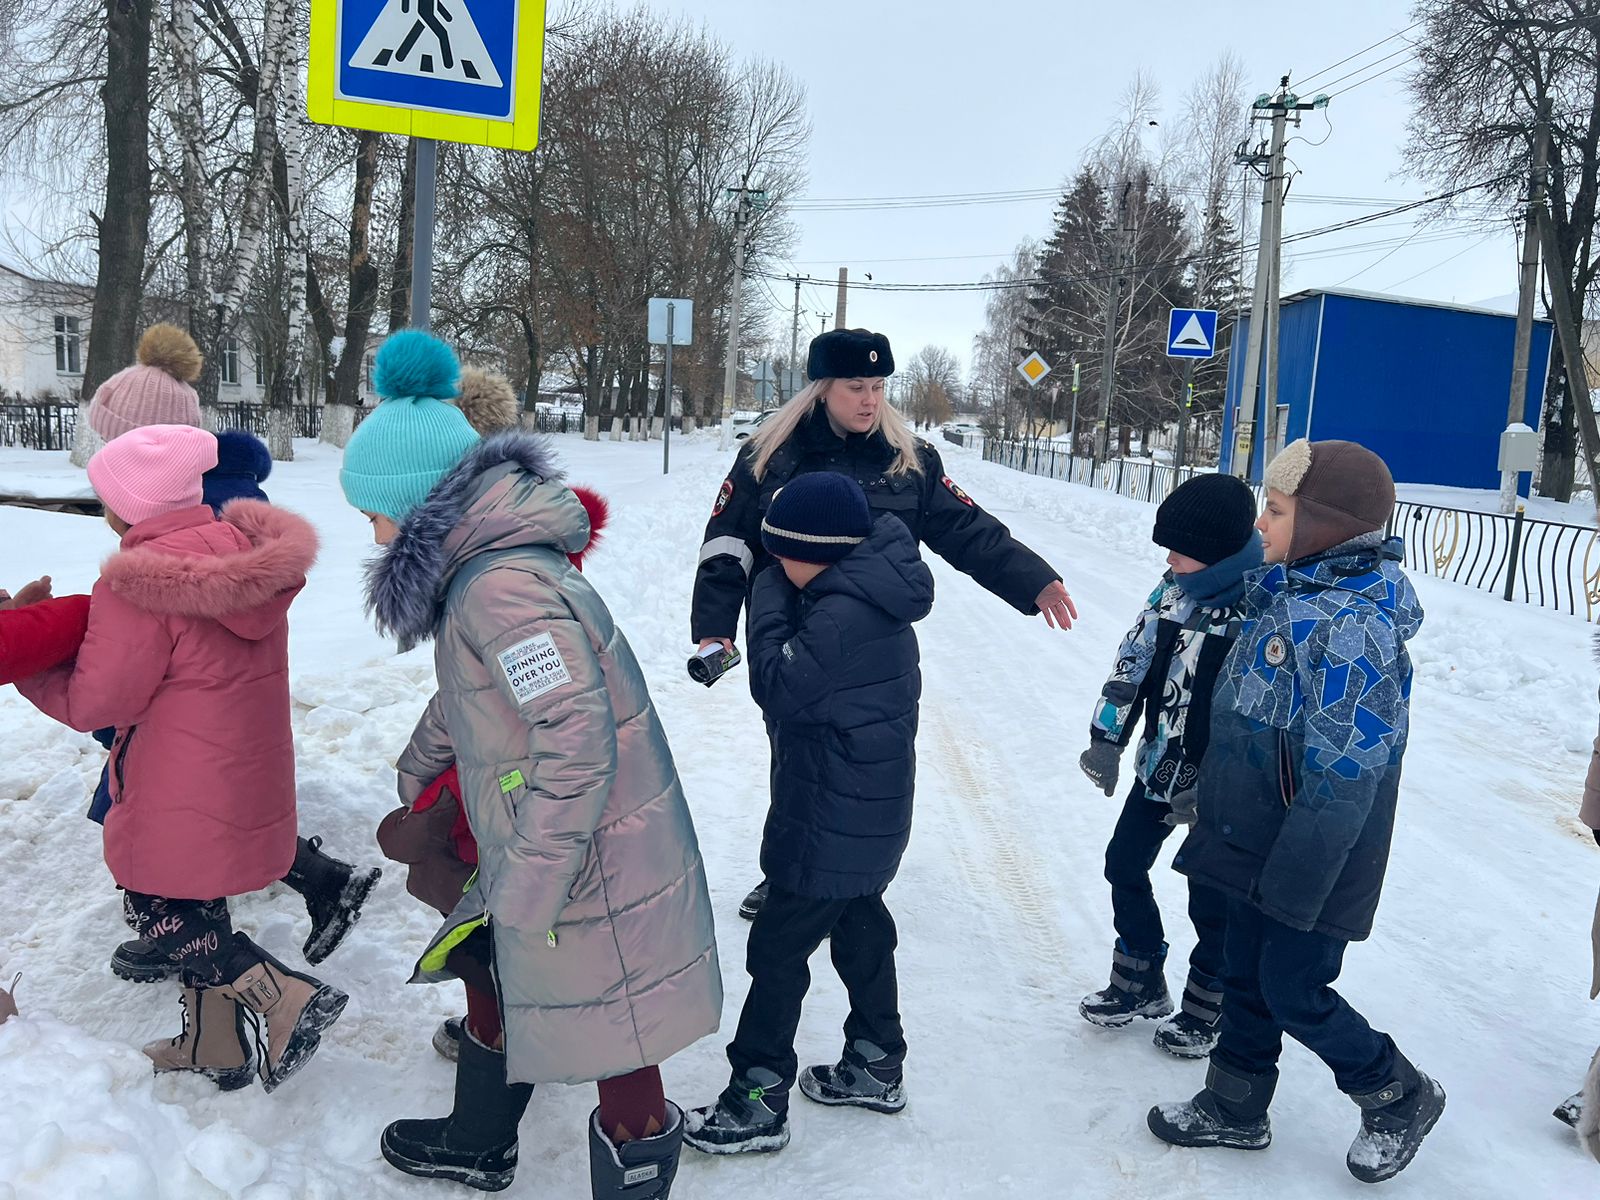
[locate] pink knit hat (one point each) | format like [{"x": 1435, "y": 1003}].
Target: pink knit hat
[
  {"x": 155, "y": 391},
  {"x": 153, "y": 471}
]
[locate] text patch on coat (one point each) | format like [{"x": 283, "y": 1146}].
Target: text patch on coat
[{"x": 534, "y": 667}]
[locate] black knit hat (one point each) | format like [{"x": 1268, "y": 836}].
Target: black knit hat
[
  {"x": 1208, "y": 519},
  {"x": 817, "y": 518},
  {"x": 849, "y": 354}
]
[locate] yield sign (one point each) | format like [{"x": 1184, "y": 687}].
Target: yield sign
[
  {"x": 1192, "y": 333},
  {"x": 1033, "y": 369}
]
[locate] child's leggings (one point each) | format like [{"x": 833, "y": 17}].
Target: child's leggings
[
  {"x": 196, "y": 934},
  {"x": 631, "y": 1106}
]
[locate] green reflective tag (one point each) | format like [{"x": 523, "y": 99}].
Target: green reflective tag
[{"x": 511, "y": 781}]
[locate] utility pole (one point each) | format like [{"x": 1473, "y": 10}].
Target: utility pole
[
  {"x": 839, "y": 304},
  {"x": 823, "y": 317},
  {"x": 750, "y": 200},
  {"x": 794, "y": 331},
  {"x": 1108, "y": 350},
  {"x": 1528, "y": 286},
  {"x": 1260, "y": 373}
]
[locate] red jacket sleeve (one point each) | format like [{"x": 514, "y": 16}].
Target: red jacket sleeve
[{"x": 40, "y": 636}]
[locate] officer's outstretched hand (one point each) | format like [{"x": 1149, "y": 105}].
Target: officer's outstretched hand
[
  {"x": 1057, "y": 606},
  {"x": 1100, "y": 762}
]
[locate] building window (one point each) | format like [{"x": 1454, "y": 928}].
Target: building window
[
  {"x": 230, "y": 360},
  {"x": 261, "y": 369},
  {"x": 69, "y": 346}
]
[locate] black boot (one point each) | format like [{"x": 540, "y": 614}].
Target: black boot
[
  {"x": 334, "y": 892},
  {"x": 1570, "y": 1111},
  {"x": 139, "y": 962},
  {"x": 1231, "y": 1111},
  {"x": 1394, "y": 1120},
  {"x": 1138, "y": 988},
  {"x": 1193, "y": 1030},
  {"x": 750, "y": 1117},
  {"x": 477, "y": 1143},
  {"x": 751, "y": 904},
  {"x": 642, "y": 1169}
]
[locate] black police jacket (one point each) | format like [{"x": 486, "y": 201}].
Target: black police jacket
[{"x": 939, "y": 515}]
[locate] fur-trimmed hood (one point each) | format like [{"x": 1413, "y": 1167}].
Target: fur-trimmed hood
[
  {"x": 505, "y": 492},
  {"x": 241, "y": 570}
]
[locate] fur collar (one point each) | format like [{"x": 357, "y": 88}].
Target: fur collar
[
  {"x": 406, "y": 581},
  {"x": 192, "y": 573}
]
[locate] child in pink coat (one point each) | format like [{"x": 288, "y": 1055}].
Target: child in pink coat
[{"x": 187, "y": 655}]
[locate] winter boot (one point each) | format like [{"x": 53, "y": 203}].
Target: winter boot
[
  {"x": 863, "y": 1078},
  {"x": 1570, "y": 1111},
  {"x": 1394, "y": 1120},
  {"x": 447, "y": 1038},
  {"x": 139, "y": 962},
  {"x": 212, "y": 1043},
  {"x": 334, "y": 892},
  {"x": 642, "y": 1169},
  {"x": 296, "y": 1009},
  {"x": 1193, "y": 1030},
  {"x": 1231, "y": 1111},
  {"x": 477, "y": 1143},
  {"x": 750, "y": 1117},
  {"x": 751, "y": 904},
  {"x": 1138, "y": 988}
]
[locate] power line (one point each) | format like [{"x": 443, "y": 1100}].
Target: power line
[
  {"x": 1381, "y": 41},
  {"x": 1376, "y": 75},
  {"x": 1408, "y": 49},
  {"x": 1441, "y": 262}
]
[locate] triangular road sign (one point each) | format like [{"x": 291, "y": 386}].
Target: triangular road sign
[
  {"x": 1192, "y": 336},
  {"x": 429, "y": 40}
]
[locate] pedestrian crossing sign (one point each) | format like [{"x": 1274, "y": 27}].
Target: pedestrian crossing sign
[
  {"x": 455, "y": 70},
  {"x": 1192, "y": 333}
]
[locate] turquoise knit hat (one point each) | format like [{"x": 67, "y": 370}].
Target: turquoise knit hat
[{"x": 413, "y": 438}]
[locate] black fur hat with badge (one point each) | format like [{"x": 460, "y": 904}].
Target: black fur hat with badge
[{"x": 849, "y": 354}]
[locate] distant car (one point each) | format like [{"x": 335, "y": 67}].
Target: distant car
[{"x": 746, "y": 423}]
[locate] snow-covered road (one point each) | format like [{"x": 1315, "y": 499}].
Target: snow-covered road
[{"x": 1478, "y": 966}]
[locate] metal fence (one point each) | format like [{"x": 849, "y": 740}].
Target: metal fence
[
  {"x": 37, "y": 424},
  {"x": 306, "y": 419},
  {"x": 1547, "y": 564}
]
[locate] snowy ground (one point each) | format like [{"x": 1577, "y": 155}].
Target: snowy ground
[
  {"x": 1479, "y": 965},
  {"x": 1578, "y": 511}
]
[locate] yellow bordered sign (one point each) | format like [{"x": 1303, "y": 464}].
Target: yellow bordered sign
[{"x": 454, "y": 70}]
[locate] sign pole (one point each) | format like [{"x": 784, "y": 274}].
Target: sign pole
[
  {"x": 1183, "y": 420},
  {"x": 422, "y": 237},
  {"x": 1074, "y": 449},
  {"x": 666, "y": 400}
]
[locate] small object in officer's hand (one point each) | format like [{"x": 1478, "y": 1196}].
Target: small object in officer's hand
[{"x": 712, "y": 663}]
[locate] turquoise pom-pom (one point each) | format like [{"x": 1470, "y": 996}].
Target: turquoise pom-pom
[{"x": 413, "y": 364}]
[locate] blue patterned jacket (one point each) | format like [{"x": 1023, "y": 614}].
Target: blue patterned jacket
[{"x": 1309, "y": 724}]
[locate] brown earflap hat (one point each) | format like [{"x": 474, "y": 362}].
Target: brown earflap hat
[{"x": 1342, "y": 490}]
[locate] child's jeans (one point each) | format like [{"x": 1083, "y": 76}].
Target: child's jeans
[{"x": 786, "y": 932}]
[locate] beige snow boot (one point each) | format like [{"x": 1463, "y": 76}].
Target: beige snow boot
[
  {"x": 212, "y": 1042},
  {"x": 296, "y": 1009}
]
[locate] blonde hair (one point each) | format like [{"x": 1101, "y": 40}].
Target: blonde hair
[{"x": 781, "y": 425}]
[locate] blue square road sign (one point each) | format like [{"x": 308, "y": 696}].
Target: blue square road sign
[{"x": 1192, "y": 333}]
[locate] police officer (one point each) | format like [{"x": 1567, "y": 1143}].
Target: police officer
[{"x": 841, "y": 422}]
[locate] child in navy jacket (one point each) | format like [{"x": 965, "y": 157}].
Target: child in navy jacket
[{"x": 834, "y": 667}]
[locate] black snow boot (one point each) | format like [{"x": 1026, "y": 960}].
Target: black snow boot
[
  {"x": 477, "y": 1143},
  {"x": 865, "y": 1077},
  {"x": 751, "y": 904},
  {"x": 1193, "y": 1030},
  {"x": 1394, "y": 1120},
  {"x": 1570, "y": 1111},
  {"x": 750, "y": 1117},
  {"x": 1231, "y": 1111},
  {"x": 1138, "y": 988},
  {"x": 334, "y": 892},
  {"x": 642, "y": 1169},
  {"x": 139, "y": 962}
]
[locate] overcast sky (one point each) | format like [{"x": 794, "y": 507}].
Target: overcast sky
[{"x": 937, "y": 97}]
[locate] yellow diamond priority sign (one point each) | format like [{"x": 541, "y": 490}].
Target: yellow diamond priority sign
[{"x": 1033, "y": 369}]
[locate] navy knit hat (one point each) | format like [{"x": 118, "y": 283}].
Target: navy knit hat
[
  {"x": 243, "y": 462},
  {"x": 818, "y": 518},
  {"x": 1208, "y": 519}
]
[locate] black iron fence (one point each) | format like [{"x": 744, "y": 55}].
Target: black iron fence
[
  {"x": 37, "y": 424},
  {"x": 1547, "y": 564},
  {"x": 305, "y": 419}
]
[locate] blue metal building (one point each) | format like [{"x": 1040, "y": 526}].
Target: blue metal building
[{"x": 1422, "y": 384}]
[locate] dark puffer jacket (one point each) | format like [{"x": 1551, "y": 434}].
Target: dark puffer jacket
[
  {"x": 937, "y": 512},
  {"x": 1309, "y": 724},
  {"x": 834, "y": 668}
]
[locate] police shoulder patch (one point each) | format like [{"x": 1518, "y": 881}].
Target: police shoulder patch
[
  {"x": 955, "y": 490},
  {"x": 723, "y": 497},
  {"x": 1276, "y": 651}
]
